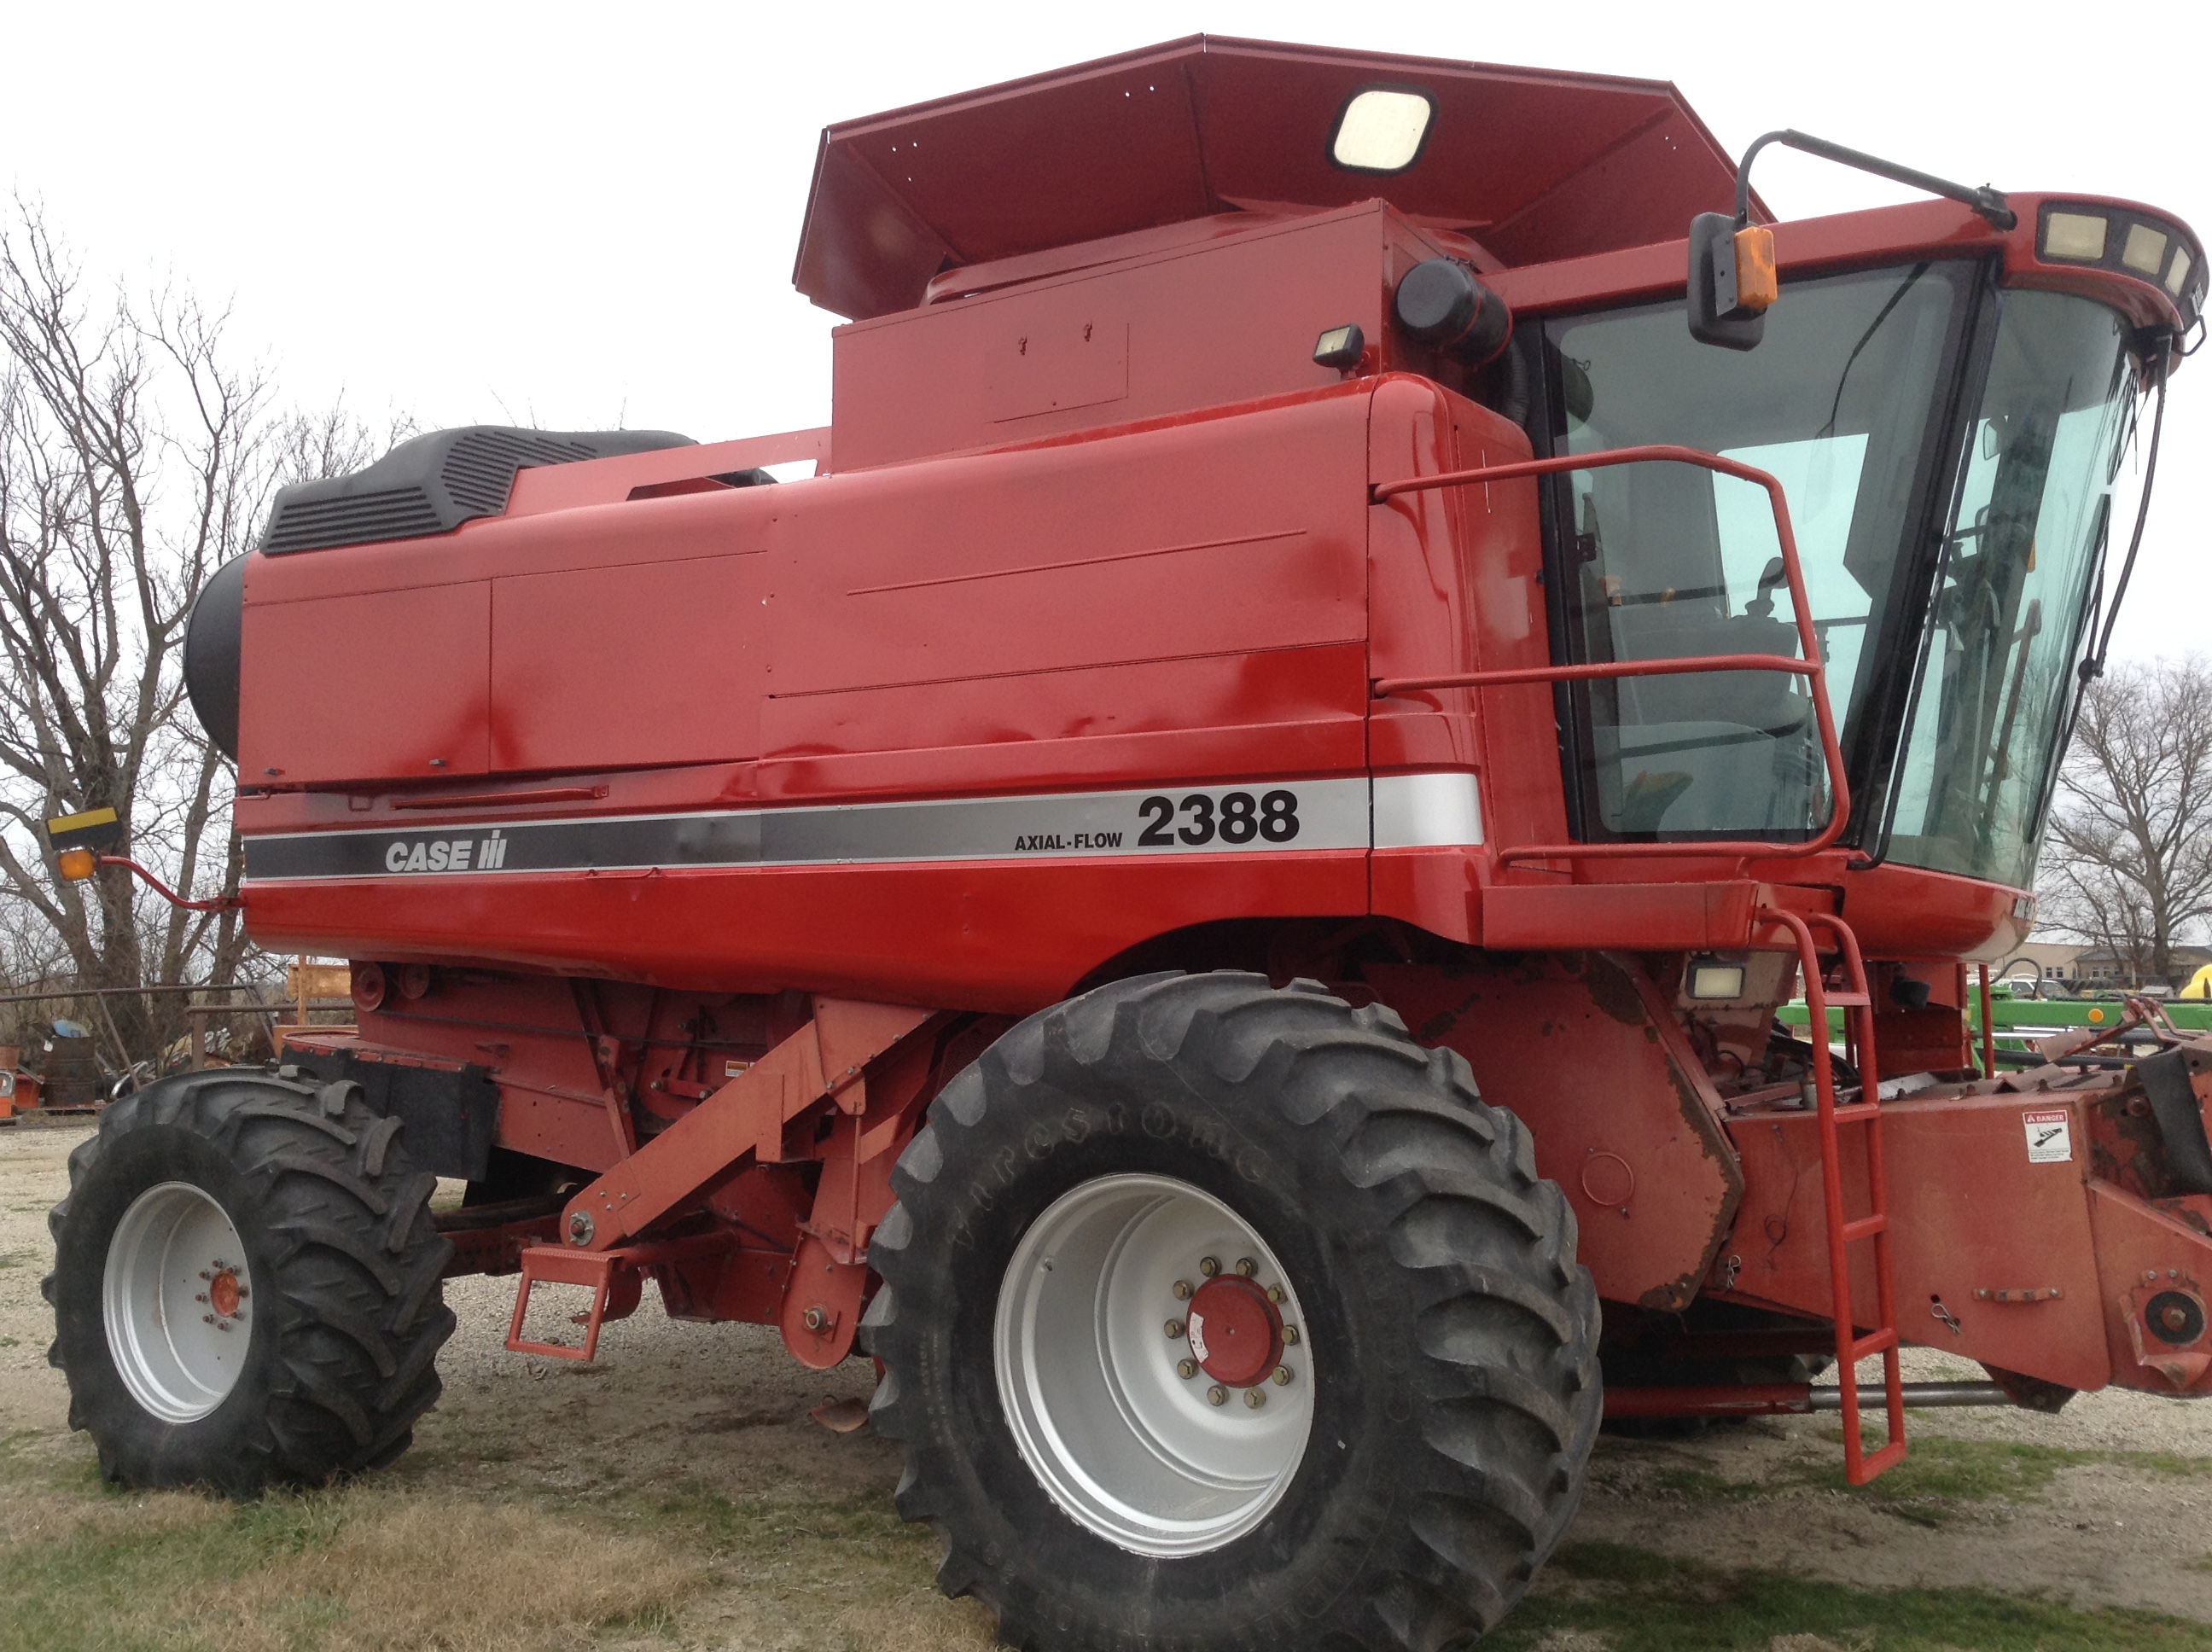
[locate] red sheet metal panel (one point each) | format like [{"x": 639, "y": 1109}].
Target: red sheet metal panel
[
  {"x": 956, "y": 934},
  {"x": 1970, "y": 1211},
  {"x": 1554, "y": 164},
  {"x": 1187, "y": 326},
  {"x": 2154, "y": 1264},
  {"x": 631, "y": 665},
  {"x": 385, "y": 685},
  {"x": 1216, "y": 718},
  {"x": 1652, "y": 1181},
  {"x": 896, "y": 597},
  {"x": 1655, "y": 917}
]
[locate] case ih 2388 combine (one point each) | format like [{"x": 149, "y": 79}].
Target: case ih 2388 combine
[{"x": 1295, "y": 628}]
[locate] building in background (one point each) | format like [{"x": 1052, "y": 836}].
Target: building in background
[{"x": 2086, "y": 968}]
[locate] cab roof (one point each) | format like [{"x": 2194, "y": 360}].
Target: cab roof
[{"x": 1534, "y": 165}]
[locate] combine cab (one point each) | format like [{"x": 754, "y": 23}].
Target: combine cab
[{"x": 1212, "y": 889}]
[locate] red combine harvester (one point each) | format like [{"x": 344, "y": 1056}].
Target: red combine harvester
[{"x": 1295, "y": 624}]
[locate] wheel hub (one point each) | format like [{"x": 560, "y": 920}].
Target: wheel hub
[
  {"x": 176, "y": 1302},
  {"x": 224, "y": 1293},
  {"x": 1132, "y": 1432},
  {"x": 1236, "y": 1335}
]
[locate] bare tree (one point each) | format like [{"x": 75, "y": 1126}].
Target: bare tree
[
  {"x": 137, "y": 456},
  {"x": 2128, "y": 864}
]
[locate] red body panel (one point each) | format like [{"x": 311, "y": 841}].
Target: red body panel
[
  {"x": 1547, "y": 164},
  {"x": 1978, "y": 1226},
  {"x": 401, "y": 684},
  {"x": 857, "y": 932},
  {"x": 1642, "y": 1158},
  {"x": 1187, "y": 327}
]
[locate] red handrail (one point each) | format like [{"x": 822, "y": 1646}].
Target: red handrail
[{"x": 1810, "y": 667}]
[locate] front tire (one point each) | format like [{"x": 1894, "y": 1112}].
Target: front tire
[
  {"x": 246, "y": 1284},
  {"x": 1098, "y": 1477}
]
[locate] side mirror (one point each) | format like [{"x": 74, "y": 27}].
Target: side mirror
[{"x": 1732, "y": 281}]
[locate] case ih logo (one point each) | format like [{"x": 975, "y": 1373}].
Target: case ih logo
[{"x": 446, "y": 854}]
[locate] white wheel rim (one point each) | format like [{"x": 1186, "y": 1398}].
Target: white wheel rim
[
  {"x": 177, "y": 1302},
  {"x": 1128, "y": 1447}
]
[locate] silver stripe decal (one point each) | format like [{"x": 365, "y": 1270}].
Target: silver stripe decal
[
  {"x": 1418, "y": 811},
  {"x": 1263, "y": 816}
]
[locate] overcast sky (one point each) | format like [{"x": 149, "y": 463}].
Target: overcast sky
[{"x": 578, "y": 217}]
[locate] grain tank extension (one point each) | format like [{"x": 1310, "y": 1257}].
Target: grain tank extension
[{"x": 1211, "y": 887}]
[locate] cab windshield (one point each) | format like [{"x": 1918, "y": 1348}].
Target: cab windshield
[
  {"x": 1948, "y": 711},
  {"x": 2019, "y": 563},
  {"x": 1666, "y": 561}
]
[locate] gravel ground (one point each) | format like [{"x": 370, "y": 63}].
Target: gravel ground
[
  {"x": 669, "y": 1402},
  {"x": 2107, "y": 1530}
]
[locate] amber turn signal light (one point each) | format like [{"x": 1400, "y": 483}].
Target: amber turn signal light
[
  {"x": 76, "y": 864},
  {"x": 1756, "y": 283}
]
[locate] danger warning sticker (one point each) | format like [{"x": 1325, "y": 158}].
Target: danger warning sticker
[{"x": 2049, "y": 1136}]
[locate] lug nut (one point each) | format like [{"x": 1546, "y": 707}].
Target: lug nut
[
  {"x": 1174, "y": 1330},
  {"x": 1208, "y": 1266},
  {"x": 1274, "y": 1293},
  {"x": 1216, "y": 1395},
  {"x": 1186, "y": 1369},
  {"x": 1255, "y": 1398},
  {"x": 1246, "y": 1266},
  {"x": 1182, "y": 1289},
  {"x": 1282, "y": 1376},
  {"x": 1290, "y": 1336}
]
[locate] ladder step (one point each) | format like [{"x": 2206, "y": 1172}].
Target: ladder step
[
  {"x": 1888, "y": 1457},
  {"x": 558, "y": 1265},
  {"x": 1856, "y": 999}
]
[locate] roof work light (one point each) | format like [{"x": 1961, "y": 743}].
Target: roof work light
[
  {"x": 2135, "y": 243},
  {"x": 1382, "y": 129}
]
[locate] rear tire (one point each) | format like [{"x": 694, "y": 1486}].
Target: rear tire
[
  {"x": 246, "y": 1284},
  {"x": 1446, "y": 1365}
]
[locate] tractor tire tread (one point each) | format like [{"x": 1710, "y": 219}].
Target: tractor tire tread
[
  {"x": 346, "y": 1265},
  {"x": 1505, "y": 1386}
]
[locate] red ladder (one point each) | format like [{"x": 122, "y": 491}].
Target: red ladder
[{"x": 1857, "y": 1001}]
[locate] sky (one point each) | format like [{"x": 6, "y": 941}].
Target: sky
[{"x": 577, "y": 216}]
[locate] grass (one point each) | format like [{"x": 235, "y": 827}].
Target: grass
[
  {"x": 463, "y": 1554},
  {"x": 1615, "y": 1598},
  {"x": 372, "y": 1566},
  {"x": 1969, "y": 1471},
  {"x": 1938, "y": 1471},
  {"x": 1940, "y": 1478},
  {"x": 457, "y": 1555}
]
